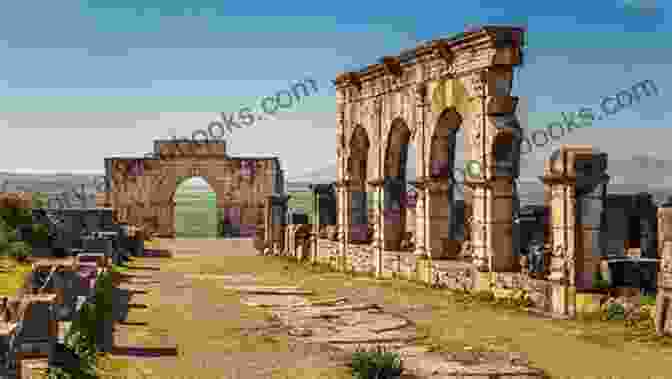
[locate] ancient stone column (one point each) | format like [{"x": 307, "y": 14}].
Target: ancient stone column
[
  {"x": 664, "y": 296},
  {"x": 573, "y": 260},
  {"x": 380, "y": 227},
  {"x": 501, "y": 224},
  {"x": 420, "y": 220}
]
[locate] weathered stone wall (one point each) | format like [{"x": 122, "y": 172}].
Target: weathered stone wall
[
  {"x": 450, "y": 274},
  {"x": 143, "y": 189}
]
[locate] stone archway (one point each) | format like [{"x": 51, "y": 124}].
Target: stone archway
[
  {"x": 469, "y": 76},
  {"x": 142, "y": 189}
]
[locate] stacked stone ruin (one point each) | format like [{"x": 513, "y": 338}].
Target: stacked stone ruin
[
  {"x": 142, "y": 189},
  {"x": 423, "y": 97},
  {"x": 81, "y": 244}
]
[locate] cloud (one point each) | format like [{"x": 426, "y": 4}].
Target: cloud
[{"x": 58, "y": 120}]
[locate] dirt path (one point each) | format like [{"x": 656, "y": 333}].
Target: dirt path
[
  {"x": 215, "y": 334},
  {"x": 191, "y": 304}
]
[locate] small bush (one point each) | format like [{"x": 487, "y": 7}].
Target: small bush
[
  {"x": 615, "y": 311},
  {"x": 376, "y": 364},
  {"x": 19, "y": 250},
  {"x": 599, "y": 282}
]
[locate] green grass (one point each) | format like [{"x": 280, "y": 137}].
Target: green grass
[
  {"x": 195, "y": 214},
  {"x": 302, "y": 200}
]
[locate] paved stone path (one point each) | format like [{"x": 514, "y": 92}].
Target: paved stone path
[{"x": 347, "y": 326}]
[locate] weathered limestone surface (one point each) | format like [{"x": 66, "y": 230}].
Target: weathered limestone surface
[
  {"x": 143, "y": 188},
  {"x": 351, "y": 326},
  {"x": 664, "y": 297},
  {"x": 423, "y": 97}
]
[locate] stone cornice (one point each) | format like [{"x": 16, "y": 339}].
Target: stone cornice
[{"x": 446, "y": 49}]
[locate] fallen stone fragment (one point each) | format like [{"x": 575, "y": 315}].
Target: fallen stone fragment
[
  {"x": 269, "y": 290},
  {"x": 242, "y": 277},
  {"x": 360, "y": 337},
  {"x": 388, "y": 325},
  {"x": 274, "y": 301},
  {"x": 328, "y": 302},
  {"x": 300, "y": 332}
]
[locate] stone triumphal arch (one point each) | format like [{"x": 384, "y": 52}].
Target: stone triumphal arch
[
  {"x": 424, "y": 97},
  {"x": 141, "y": 190}
]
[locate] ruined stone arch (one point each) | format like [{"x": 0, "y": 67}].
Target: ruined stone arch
[
  {"x": 468, "y": 76},
  {"x": 145, "y": 197}
]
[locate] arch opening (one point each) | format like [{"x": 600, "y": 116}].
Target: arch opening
[
  {"x": 447, "y": 209},
  {"x": 195, "y": 213},
  {"x": 396, "y": 192},
  {"x": 357, "y": 170}
]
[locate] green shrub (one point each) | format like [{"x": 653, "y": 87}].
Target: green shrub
[
  {"x": 81, "y": 339},
  {"x": 376, "y": 364},
  {"x": 83, "y": 334},
  {"x": 615, "y": 311},
  {"x": 40, "y": 232},
  {"x": 19, "y": 250},
  {"x": 598, "y": 281}
]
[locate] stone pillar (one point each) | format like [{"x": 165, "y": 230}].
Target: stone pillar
[
  {"x": 500, "y": 225},
  {"x": 420, "y": 219},
  {"x": 589, "y": 226},
  {"x": 344, "y": 216},
  {"x": 664, "y": 296},
  {"x": 478, "y": 228},
  {"x": 381, "y": 228},
  {"x": 573, "y": 260},
  {"x": 563, "y": 206}
]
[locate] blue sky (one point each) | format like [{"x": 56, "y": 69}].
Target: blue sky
[{"x": 170, "y": 67}]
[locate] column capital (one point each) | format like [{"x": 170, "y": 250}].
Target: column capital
[
  {"x": 376, "y": 182},
  {"x": 342, "y": 183}
]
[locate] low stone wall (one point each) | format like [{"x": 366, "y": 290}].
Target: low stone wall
[
  {"x": 538, "y": 290},
  {"x": 450, "y": 274},
  {"x": 360, "y": 259}
]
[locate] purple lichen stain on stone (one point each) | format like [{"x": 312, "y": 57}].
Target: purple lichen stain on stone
[{"x": 136, "y": 168}]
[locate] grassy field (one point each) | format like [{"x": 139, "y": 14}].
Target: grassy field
[
  {"x": 195, "y": 215},
  {"x": 196, "y": 212},
  {"x": 302, "y": 200}
]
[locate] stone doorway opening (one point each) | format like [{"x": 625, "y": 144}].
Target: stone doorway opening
[
  {"x": 446, "y": 212},
  {"x": 196, "y": 213}
]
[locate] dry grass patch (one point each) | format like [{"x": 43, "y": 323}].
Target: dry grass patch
[{"x": 12, "y": 276}]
